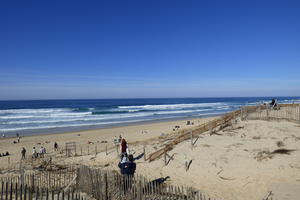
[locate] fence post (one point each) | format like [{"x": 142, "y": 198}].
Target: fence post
[
  {"x": 21, "y": 191},
  {"x": 25, "y": 192},
  {"x": 32, "y": 181},
  {"x": 192, "y": 139},
  {"x": 242, "y": 110},
  {"x": 144, "y": 153},
  {"x": 106, "y": 184},
  {"x": 2, "y": 188},
  {"x": 16, "y": 191},
  {"x": 299, "y": 112},
  {"x": 11, "y": 190},
  {"x": 117, "y": 147},
  {"x": 30, "y": 193},
  {"x": 37, "y": 193}
]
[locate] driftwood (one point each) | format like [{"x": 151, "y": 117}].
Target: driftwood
[{"x": 226, "y": 179}]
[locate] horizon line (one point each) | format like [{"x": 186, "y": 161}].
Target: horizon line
[{"x": 63, "y": 99}]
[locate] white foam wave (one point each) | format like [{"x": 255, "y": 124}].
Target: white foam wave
[
  {"x": 17, "y": 117},
  {"x": 171, "y": 106},
  {"x": 34, "y": 111},
  {"x": 104, "y": 117},
  {"x": 70, "y": 114},
  {"x": 68, "y": 125},
  {"x": 207, "y": 114}
]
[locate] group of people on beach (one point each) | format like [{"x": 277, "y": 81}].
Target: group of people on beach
[
  {"x": 37, "y": 154},
  {"x": 40, "y": 153}
]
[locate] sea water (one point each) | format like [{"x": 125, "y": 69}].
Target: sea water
[{"x": 52, "y": 116}]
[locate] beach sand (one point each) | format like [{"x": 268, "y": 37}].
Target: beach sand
[
  {"x": 235, "y": 163},
  {"x": 89, "y": 140}
]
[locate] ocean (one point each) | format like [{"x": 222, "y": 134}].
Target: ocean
[{"x": 33, "y": 117}]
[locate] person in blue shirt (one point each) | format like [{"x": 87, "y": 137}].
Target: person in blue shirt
[{"x": 128, "y": 168}]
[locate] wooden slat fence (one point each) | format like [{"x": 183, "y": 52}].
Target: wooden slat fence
[
  {"x": 51, "y": 180},
  {"x": 110, "y": 185},
  {"x": 290, "y": 112},
  {"x": 17, "y": 191}
]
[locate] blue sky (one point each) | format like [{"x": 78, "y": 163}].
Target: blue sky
[{"x": 128, "y": 49}]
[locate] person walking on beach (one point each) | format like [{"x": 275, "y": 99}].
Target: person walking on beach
[
  {"x": 124, "y": 147},
  {"x": 18, "y": 137},
  {"x": 34, "y": 153},
  {"x": 55, "y": 146},
  {"x": 41, "y": 152},
  {"x": 23, "y": 152}
]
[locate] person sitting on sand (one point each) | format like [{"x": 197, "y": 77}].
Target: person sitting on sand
[{"x": 23, "y": 152}]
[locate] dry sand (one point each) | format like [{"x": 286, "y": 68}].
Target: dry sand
[
  {"x": 235, "y": 163},
  {"x": 96, "y": 138}
]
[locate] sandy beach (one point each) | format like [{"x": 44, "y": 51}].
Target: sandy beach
[
  {"x": 86, "y": 141},
  {"x": 235, "y": 163}
]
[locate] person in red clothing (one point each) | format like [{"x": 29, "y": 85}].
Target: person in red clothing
[{"x": 123, "y": 147}]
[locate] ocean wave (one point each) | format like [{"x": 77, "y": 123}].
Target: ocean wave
[
  {"x": 106, "y": 117},
  {"x": 33, "y": 111},
  {"x": 171, "y": 106},
  {"x": 107, "y": 112},
  {"x": 17, "y": 117},
  {"x": 209, "y": 114},
  {"x": 68, "y": 125},
  {"x": 70, "y": 114}
]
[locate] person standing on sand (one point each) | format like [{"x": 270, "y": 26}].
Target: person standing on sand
[
  {"x": 55, "y": 146},
  {"x": 127, "y": 168},
  {"x": 124, "y": 147},
  {"x": 41, "y": 152},
  {"x": 23, "y": 152},
  {"x": 34, "y": 153}
]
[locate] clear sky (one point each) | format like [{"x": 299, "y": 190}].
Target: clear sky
[{"x": 149, "y": 48}]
